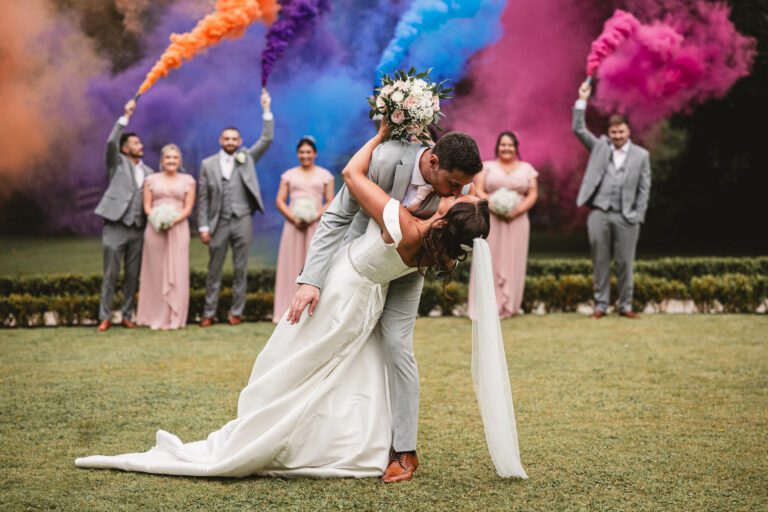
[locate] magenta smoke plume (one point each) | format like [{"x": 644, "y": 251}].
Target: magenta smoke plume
[
  {"x": 669, "y": 65},
  {"x": 294, "y": 18},
  {"x": 616, "y": 30}
]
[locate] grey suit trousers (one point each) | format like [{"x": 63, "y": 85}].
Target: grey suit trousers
[
  {"x": 236, "y": 232},
  {"x": 610, "y": 230},
  {"x": 120, "y": 242}
]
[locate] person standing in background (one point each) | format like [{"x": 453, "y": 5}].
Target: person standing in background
[
  {"x": 309, "y": 189},
  {"x": 122, "y": 209},
  {"x": 616, "y": 186},
  {"x": 164, "y": 282},
  {"x": 510, "y": 231},
  {"x": 228, "y": 196}
]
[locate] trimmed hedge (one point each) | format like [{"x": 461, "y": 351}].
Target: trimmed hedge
[
  {"x": 75, "y": 298},
  {"x": 680, "y": 269},
  {"x": 27, "y": 311}
]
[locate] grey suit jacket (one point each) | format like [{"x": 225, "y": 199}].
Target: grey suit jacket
[
  {"x": 637, "y": 183},
  {"x": 391, "y": 168},
  {"x": 122, "y": 183},
  {"x": 209, "y": 183}
]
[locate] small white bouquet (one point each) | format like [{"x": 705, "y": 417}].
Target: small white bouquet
[
  {"x": 304, "y": 209},
  {"x": 503, "y": 201},
  {"x": 410, "y": 101},
  {"x": 162, "y": 217}
]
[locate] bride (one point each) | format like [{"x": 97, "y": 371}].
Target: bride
[{"x": 316, "y": 402}]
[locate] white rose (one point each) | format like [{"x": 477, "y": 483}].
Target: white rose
[
  {"x": 398, "y": 96},
  {"x": 400, "y": 85},
  {"x": 387, "y": 90},
  {"x": 241, "y": 157},
  {"x": 411, "y": 102},
  {"x": 380, "y": 105}
]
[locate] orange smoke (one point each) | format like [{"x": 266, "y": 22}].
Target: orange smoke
[{"x": 230, "y": 19}]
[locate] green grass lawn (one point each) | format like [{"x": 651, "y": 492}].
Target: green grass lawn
[{"x": 666, "y": 413}]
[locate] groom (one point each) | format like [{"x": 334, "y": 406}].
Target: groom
[
  {"x": 122, "y": 209},
  {"x": 616, "y": 185},
  {"x": 228, "y": 195},
  {"x": 418, "y": 177}
]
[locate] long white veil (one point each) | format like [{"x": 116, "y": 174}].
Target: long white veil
[{"x": 489, "y": 369}]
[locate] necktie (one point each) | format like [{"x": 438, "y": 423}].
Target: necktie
[{"x": 421, "y": 194}]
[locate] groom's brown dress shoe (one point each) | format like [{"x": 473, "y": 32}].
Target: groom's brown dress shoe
[
  {"x": 598, "y": 314},
  {"x": 234, "y": 320},
  {"x": 629, "y": 314},
  {"x": 128, "y": 324},
  {"x": 104, "y": 325},
  {"x": 402, "y": 466},
  {"x": 206, "y": 322}
]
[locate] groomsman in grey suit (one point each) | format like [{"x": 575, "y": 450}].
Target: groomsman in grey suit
[
  {"x": 228, "y": 196},
  {"x": 417, "y": 176},
  {"x": 616, "y": 185},
  {"x": 122, "y": 209}
]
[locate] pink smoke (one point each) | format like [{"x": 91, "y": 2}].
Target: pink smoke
[
  {"x": 617, "y": 29},
  {"x": 667, "y": 66},
  {"x": 527, "y": 82}
]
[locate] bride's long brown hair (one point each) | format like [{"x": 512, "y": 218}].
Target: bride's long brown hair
[{"x": 443, "y": 241}]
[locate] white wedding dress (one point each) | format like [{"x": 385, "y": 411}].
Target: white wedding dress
[{"x": 317, "y": 402}]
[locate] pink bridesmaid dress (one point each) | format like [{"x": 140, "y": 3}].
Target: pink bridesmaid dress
[
  {"x": 508, "y": 240},
  {"x": 164, "y": 280},
  {"x": 294, "y": 243}
]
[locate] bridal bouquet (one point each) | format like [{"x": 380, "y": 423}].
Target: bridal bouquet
[
  {"x": 503, "y": 201},
  {"x": 162, "y": 217},
  {"x": 304, "y": 209},
  {"x": 411, "y": 102}
]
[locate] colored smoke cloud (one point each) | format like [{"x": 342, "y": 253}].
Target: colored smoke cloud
[
  {"x": 229, "y": 19},
  {"x": 617, "y": 29},
  {"x": 442, "y": 35},
  {"x": 295, "y": 18},
  {"x": 668, "y": 65}
]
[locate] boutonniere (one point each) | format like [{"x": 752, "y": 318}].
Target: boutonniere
[{"x": 241, "y": 157}]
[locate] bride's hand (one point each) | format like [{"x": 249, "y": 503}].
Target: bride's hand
[
  {"x": 385, "y": 130},
  {"x": 306, "y": 295}
]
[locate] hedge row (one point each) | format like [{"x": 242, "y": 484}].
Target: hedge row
[
  {"x": 27, "y": 310},
  {"x": 679, "y": 269},
  {"x": 734, "y": 293}
]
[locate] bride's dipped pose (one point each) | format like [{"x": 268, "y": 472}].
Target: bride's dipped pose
[{"x": 316, "y": 402}]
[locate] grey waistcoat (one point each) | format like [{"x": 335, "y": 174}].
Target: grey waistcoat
[
  {"x": 608, "y": 194},
  {"x": 134, "y": 214},
  {"x": 235, "y": 201}
]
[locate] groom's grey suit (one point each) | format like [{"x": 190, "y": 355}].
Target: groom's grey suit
[
  {"x": 225, "y": 208},
  {"x": 391, "y": 168},
  {"x": 619, "y": 199},
  {"x": 122, "y": 209}
]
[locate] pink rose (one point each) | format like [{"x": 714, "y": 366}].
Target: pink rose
[
  {"x": 410, "y": 102},
  {"x": 387, "y": 90},
  {"x": 435, "y": 104},
  {"x": 398, "y": 116},
  {"x": 415, "y": 129}
]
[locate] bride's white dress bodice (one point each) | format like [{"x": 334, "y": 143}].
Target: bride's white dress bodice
[{"x": 372, "y": 257}]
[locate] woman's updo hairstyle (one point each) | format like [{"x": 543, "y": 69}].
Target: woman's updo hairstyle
[{"x": 449, "y": 238}]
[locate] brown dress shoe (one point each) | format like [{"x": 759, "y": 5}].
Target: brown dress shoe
[
  {"x": 104, "y": 325},
  {"x": 128, "y": 324},
  {"x": 629, "y": 314},
  {"x": 206, "y": 322},
  {"x": 401, "y": 467},
  {"x": 234, "y": 320},
  {"x": 598, "y": 314}
]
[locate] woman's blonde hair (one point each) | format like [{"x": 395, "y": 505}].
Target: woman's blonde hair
[{"x": 171, "y": 147}]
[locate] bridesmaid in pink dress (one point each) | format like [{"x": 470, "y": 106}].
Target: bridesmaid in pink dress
[
  {"x": 164, "y": 281},
  {"x": 304, "y": 184},
  {"x": 508, "y": 239}
]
